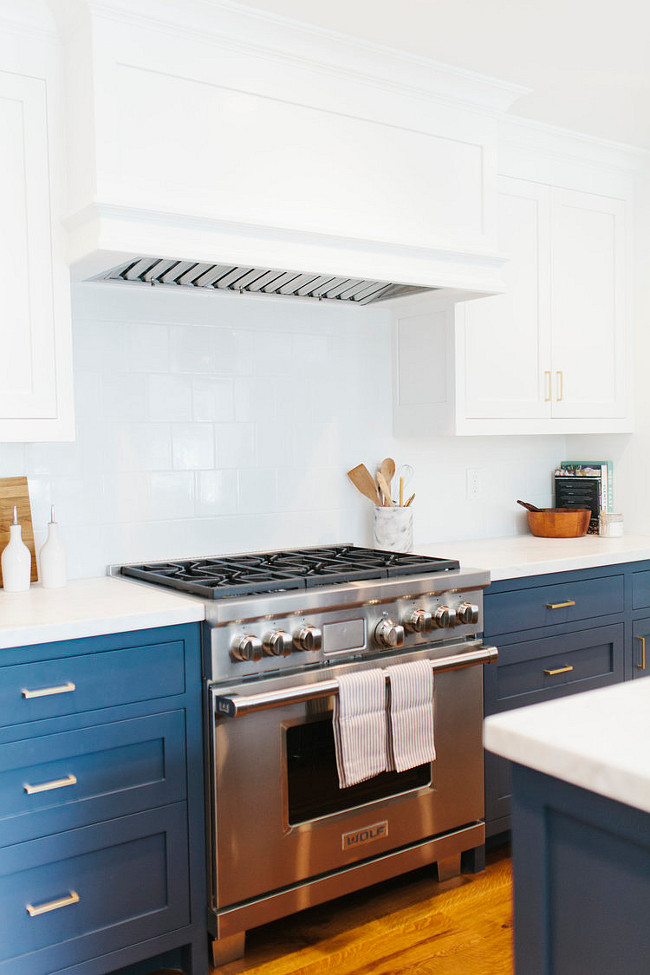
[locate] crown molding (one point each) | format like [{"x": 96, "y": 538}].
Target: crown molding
[{"x": 259, "y": 34}]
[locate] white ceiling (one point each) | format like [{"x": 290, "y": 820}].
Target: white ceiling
[{"x": 586, "y": 61}]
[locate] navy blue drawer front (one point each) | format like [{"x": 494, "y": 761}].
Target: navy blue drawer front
[
  {"x": 102, "y": 887},
  {"x": 49, "y": 688},
  {"x": 526, "y": 609},
  {"x": 538, "y": 670},
  {"x": 91, "y": 774}
]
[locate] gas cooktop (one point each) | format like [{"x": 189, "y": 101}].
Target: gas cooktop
[{"x": 220, "y": 577}]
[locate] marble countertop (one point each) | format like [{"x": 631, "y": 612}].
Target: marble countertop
[
  {"x": 523, "y": 555},
  {"x": 89, "y": 607},
  {"x": 597, "y": 740}
]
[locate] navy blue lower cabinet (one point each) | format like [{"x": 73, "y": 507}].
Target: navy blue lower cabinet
[
  {"x": 558, "y": 634},
  {"x": 102, "y": 845},
  {"x": 581, "y": 872}
]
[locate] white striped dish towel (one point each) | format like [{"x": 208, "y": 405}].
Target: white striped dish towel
[
  {"x": 360, "y": 726},
  {"x": 410, "y": 715}
]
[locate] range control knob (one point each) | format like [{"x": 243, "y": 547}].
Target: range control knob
[
  {"x": 467, "y": 613},
  {"x": 444, "y": 617},
  {"x": 389, "y": 634},
  {"x": 246, "y": 648},
  {"x": 418, "y": 621},
  {"x": 308, "y": 638},
  {"x": 277, "y": 644}
]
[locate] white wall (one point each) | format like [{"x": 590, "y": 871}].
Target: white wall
[{"x": 211, "y": 423}]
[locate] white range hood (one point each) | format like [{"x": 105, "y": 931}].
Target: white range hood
[{"x": 207, "y": 136}]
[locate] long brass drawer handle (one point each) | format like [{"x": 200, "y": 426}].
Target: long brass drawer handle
[
  {"x": 569, "y": 602},
  {"x": 31, "y": 790},
  {"x": 641, "y": 666},
  {"x": 560, "y": 386},
  {"x": 47, "y": 691},
  {"x": 560, "y": 670},
  {"x": 72, "y": 898}
]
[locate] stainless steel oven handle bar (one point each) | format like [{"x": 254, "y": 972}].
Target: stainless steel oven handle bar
[{"x": 237, "y": 705}]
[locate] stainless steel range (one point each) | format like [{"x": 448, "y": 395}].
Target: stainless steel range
[{"x": 280, "y": 629}]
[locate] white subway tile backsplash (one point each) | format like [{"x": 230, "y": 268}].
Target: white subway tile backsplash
[
  {"x": 147, "y": 348},
  {"x": 209, "y": 424},
  {"x": 212, "y": 400},
  {"x": 170, "y": 397},
  {"x": 172, "y": 495},
  {"x": 144, "y": 447},
  {"x": 235, "y": 444},
  {"x": 192, "y": 446},
  {"x": 124, "y": 396},
  {"x": 216, "y": 493},
  {"x": 257, "y": 491}
]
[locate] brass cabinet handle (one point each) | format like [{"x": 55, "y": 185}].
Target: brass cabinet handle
[
  {"x": 569, "y": 602},
  {"x": 560, "y": 385},
  {"x": 560, "y": 670},
  {"x": 47, "y": 691},
  {"x": 641, "y": 640},
  {"x": 48, "y": 786},
  {"x": 72, "y": 898},
  {"x": 547, "y": 380}
]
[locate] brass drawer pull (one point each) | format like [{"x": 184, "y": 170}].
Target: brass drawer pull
[
  {"x": 560, "y": 386},
  {"x": 47, "y": 691},
  {"x": 569, "y": 602},
  {"x": 560, "y": 670},
  {"x": 547, "y": 378},
  {"x": 641, "y": 666},
  {"x": 48, "y": 786},
  {"x": 72, "y": 898}
]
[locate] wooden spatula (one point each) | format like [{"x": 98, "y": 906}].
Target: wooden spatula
[
  {"x": 364, "y": 482},
  {"x": 385, "y": 489}
]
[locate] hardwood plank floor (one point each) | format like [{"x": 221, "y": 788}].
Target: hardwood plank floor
[{"x": 411, "y": 924}]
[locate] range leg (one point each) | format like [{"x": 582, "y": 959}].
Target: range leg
[{"x": 228, "y": 949}]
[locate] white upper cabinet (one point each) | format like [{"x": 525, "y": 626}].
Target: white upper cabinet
[
  {"x": 551, "y": 354},
  {"x": 588, "y": 306},
  {"x": 36, "y": 364}
]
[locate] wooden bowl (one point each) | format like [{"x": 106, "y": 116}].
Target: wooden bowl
[{"x": 559, "y": 522}]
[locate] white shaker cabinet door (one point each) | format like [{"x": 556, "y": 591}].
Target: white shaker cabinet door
[
  {"x": 506, "y": 339},
  {"x": 34, "y": 345},
  {"x": 588, "y": 313}
]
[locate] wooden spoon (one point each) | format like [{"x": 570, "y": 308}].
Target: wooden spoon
[
  {"x": 364, "y": 482},
  {"x": 385, "y": 489},
  {"x": 387, "y": 468},
  {"x": 529, "y": 507}
]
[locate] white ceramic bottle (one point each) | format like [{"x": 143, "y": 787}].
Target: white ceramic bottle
[
  {"x": 16, "y": 560},
  {"x": 53, "y": 561}
]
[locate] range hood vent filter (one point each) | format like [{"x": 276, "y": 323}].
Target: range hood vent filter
[{"x": 256, "y": 280}]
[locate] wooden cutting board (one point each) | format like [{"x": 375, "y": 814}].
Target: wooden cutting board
[{"x": 14, "y": 491}]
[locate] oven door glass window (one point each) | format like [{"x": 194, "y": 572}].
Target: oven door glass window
[{"x": 312, "y": 778}]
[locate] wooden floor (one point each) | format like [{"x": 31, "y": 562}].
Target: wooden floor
[{"x": 412, "y": 924}]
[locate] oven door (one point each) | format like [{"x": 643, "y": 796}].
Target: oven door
[{"x": 278, "y": 814}]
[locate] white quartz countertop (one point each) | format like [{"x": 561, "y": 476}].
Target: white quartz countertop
[
  {"x": 597, "y": 740},
  {"x": 523, "y": 555},
  {"x": 89, "y": 607}
]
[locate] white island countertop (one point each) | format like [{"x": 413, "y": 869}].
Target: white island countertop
[
  {"x": 597, "y": 740},
  {"x": 515, "y": 556},
  {"x": 89, "y": 607}
]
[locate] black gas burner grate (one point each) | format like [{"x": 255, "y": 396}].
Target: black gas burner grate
[{"x": 243, "y": 575}]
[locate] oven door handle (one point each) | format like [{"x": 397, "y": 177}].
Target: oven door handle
[{"x": 239, "y": 704}]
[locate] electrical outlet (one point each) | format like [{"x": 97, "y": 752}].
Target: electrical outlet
[{"x": 474, "y": 483}]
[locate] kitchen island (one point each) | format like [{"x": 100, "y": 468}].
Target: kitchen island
[{"x": 581, "y": 830}]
